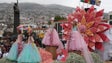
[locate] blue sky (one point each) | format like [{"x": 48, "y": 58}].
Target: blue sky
[{"x": 105, "y": 4}]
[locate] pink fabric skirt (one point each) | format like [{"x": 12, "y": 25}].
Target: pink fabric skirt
[
  {"x": 75, "y": 41},
  {"x": 51, "y": 38}
]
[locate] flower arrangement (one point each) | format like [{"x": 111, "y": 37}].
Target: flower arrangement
[
  {"x": 76, "y": 58},
  {"x": 89, "y": 24}
]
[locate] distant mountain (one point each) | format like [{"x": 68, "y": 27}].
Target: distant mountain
[
  {"x": 31, "y": 10},
  {"x": 37, "y": 10},
  {"x": 34, "y": 9}
]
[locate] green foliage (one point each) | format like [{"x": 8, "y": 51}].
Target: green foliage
[
  {"x": 57, "y": 18},
  {"x": 49, "y": 22},
  {"x": 57, "y": 61},
  {"x": 3, "y": 60},
  {"x": 75, "y": 58},
  {"x": 96, "y": 58}
]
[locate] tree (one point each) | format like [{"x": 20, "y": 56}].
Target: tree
[{"x": 57, "y": 18}]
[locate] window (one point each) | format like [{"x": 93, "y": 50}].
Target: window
[
  {"x": 110, "y": 22},
  {"x": 110, "y": 16}
]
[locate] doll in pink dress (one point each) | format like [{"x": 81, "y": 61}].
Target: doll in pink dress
[
  {"x": 51, "y": 39},
  {"x": 77, "y": 44}
]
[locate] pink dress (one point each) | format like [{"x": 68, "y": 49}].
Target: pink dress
[
  {"x": 75, "y": 41},
  {"x": 51, "y": 38}
]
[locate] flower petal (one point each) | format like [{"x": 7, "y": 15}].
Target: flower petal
[
  {"x": 91, "y": 44},
  {"x": 104, "y": 37},
  {"x": 100, "y": 13},
  {"x": 98, "y": 38},
  {"x": 83, "y": 21},
  {"x": 99, "y": 46},
  {"x": 89, "y": 32},
  {"x": 89, "y": 24},
  {"x": 102, "y": 27}
]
